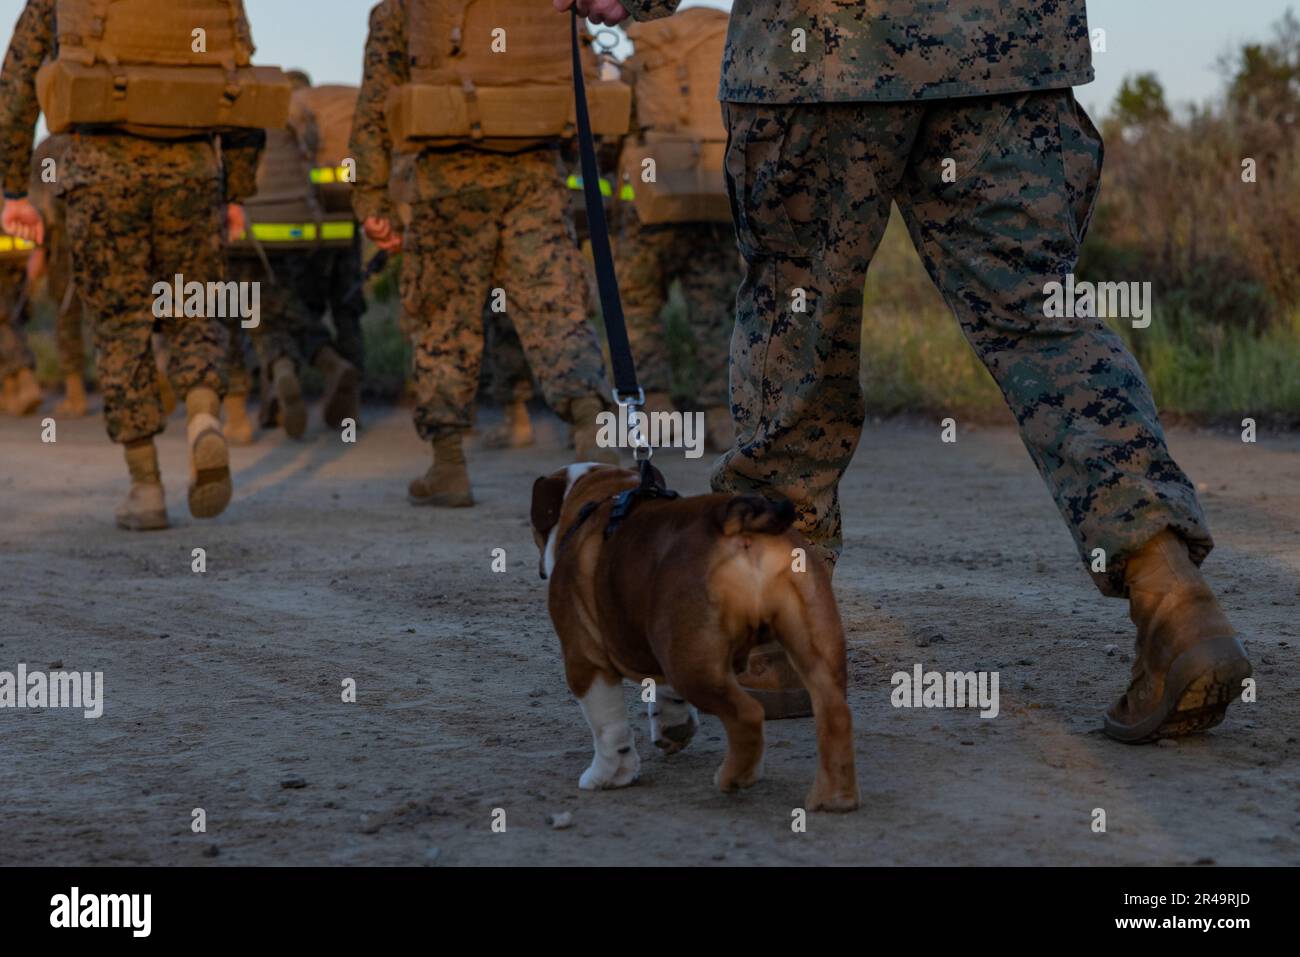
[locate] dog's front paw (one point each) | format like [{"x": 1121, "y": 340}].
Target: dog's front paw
[
  {"x": 604, "y": 773},
  {"x": 673, "y": 722}
]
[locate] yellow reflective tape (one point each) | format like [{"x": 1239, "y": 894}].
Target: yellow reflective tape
[
  {"x": 627, "y": 193},
  {"x": 575, "y": 182},
  {"x": 9, "y": 244},
  {"x": 343, "y": 230},
  {"x": 301, "y": 232},
  {"x": 329, "y": 174}
]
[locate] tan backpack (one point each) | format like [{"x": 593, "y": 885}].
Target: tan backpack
[
  {"x": 160, "y": 68},
  {"x": 333, "y": 108},
  {"x": 675, "y": 73},
  {"x": 286, "y": 212},
  {"x": 676, "y": 70},
  {"x": 496, "y": 74}
]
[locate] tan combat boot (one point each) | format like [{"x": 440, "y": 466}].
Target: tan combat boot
[
  {"x": 73, "y": 405},
  {"x": 771, "y": 680},
  {"x": 514, "y": 432},
  {"x": 210, "y": 485},
  {"x": 446, "y": 484},
  {"x": 288, "y": 394},
  {"x": 144, "y": 509},
  {"x": 719, "y": 430},
  {"x": 342, "y": 388},
  {"x": 239, "y": 427},
  {"x": 27, "y": 393},
  {"x": 1189, "y": 664},
  {"x": 585, "y": 431}
]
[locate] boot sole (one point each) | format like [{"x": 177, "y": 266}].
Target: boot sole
[
  {"x": 443, "y": 501},
  {"x": 1202, "y": 682},
  {"x": 337, "y": 405},
  {"x": 150, "y": 522},
  {"x": 27, "y": 406},
  {"x": 293, "y": 411},
  {"x": 210, "y": 493},
  {"x": 779, "y": 704}
]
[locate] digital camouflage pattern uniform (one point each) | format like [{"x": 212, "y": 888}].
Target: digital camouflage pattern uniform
[
  {"x": 478, "y": 221},
  {"x": 822, "y": 138},
  {"x": 702, "y": 256},
  {"x": 62, "y": 291},
  {"x": 280, "y": 271},
  {"x": 14, "y": 308},
  {"x": 329, "y": 280},
  {"x": 282, "y": 324},
  {"x": 139, "y": 211}
]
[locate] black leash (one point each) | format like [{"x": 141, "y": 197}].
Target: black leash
[
  {"x": 626, "y": 389},
  {"x": 628, "y": 394}
]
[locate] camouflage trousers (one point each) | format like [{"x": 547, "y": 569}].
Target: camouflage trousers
[
  {"x": 506, "y": 377},
  {"x": 329, "y": 280},
  {"x": 132, "y": 227},
  {"x": 282, "y": 324},
  {"x": 14, "y": 353},
  {"x": 703, "y": 257},
  {"x": 68, "y": 326},
  {"x": 464, "y": 250},
  {"x": 997, "y": 193}
]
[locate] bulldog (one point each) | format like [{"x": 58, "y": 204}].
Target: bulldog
[{"x": 678, "y": 591}]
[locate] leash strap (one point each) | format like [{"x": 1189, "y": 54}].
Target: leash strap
[{"x": 627, "y": 393}]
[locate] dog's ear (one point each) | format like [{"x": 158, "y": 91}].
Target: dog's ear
[{"x": 548, "y": 497}]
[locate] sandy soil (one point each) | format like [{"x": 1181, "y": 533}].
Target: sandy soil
[{"x": 224, "y": 689}]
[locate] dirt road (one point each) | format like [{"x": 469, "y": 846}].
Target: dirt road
[{"x": 223, "y": 689}]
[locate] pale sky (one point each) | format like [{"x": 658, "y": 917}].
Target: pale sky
[{"x": 1179, "y": 40}]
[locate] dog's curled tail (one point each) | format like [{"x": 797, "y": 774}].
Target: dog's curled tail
[{"x": 755, "y": 514}]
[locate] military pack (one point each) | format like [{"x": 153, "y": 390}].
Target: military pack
[
  {"x": 158, "y": 68},
  {"x": 333, "y": 170},
  {"x": 286, "y": 212},
  {"x": 497, "y": 75},
  {"x": 675, "y": 164}
]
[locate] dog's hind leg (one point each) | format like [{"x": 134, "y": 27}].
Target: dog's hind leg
[
  {"x": 673, "y": 720},
  {"x": 615, "y": 763},
  {"x": 808, "y": 627},
  {"x": 742, "y": 717}
]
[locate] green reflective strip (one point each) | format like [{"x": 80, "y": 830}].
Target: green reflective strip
[
  {"x": 301, "y": 232},
  {"x": 627, "y": 193},
  {"x": 575, "y": 182},
  {"x": 9, "y": 244},
  {"x": 329, "y": 174}
]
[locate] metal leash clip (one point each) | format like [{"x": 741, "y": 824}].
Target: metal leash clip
[{"x": 641, "y": 450}]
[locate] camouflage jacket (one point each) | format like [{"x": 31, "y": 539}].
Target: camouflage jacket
[
  {"x": 432, "y": 173},
  {"x": 34, "y": 42},
  {"x": 828, "y": 51}
]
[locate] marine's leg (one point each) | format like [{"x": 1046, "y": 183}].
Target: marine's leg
[{"x": 1012, "y": 223}]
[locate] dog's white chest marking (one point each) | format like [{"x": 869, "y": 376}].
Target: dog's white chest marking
[
  {"x": 573, "y": 473},
  {"x": 615, "y": 763}
]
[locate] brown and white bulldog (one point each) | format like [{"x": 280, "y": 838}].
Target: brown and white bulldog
[{"x": 679, "y": 592}]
